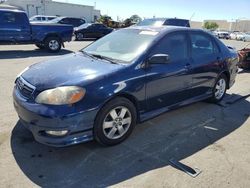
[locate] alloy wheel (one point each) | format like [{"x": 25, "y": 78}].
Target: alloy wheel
[
  {"x": 117, "y": 122},
  {"x": 220, "y": 89}
]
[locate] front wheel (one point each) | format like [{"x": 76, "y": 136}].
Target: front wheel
[
  {"x": 53, "y": 44},
  {"x": 115, "y": 122},
  {"x": 219, "y": 89}
]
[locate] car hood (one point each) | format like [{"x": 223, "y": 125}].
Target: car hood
[{"x": 72, "y": 69}]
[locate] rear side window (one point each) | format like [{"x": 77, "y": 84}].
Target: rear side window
[
  {"x": 8, "y": 17},
  {"x": 202, "y": 45},
  {"x": 175, "y": 45}
]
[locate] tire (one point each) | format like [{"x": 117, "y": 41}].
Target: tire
[
  {"x": 120, "y": 117},
  {"x": 40, "y": 46},
  {"x": 219, "y": 89},
  {"x": 79, "y": 36},
  {"x": 53, "y": 44}
]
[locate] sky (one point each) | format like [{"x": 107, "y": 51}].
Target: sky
[{"x": 199, "y": 10}]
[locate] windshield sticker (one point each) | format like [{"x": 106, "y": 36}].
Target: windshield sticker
[{"x": 148, "y": 33}]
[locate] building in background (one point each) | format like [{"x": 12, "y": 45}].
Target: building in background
[
  {"x": 196, "y": 25},
  {"x": 242, "y": 25},
  {"x": 53, "y": 8}
]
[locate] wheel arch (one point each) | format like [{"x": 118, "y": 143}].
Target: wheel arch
[
  {"x": 53, "y": 35},
  {"x": 127, "y": 96},
  {"x": 227, "y": 74}
]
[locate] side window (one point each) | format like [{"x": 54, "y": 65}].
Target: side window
[
  {"x": 82, "y": 22},
  {"x": 64, "y": 21},
  {"x": 175, "y": 45},
  {"x": 202, "y": 45},
  {"x": 9, "y": 17},
  {"x": 50, "y": 18}
]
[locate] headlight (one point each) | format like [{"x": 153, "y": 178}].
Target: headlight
[{"x": 61, "y": 95}]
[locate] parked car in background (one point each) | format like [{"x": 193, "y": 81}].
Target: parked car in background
[
  {"x": 89, "y": 30},
  {"x": 164, "y": 21},
  {"x": 75, "y": 22},
  {"x": 41, "y": 18},
  {"x": 233, "y": 35},
  {"x": 240, "y": 35},
  {"x": 246, "y": 37},
  {"x": 222, "y": 34},
  {"x": 15, "y": 28},
  {"x": 122, "y": 79}
]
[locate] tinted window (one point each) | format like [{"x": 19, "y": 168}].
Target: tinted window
[
  {"x": 51, "y": 18},
  {"x": 202, "y": 45},
  {"x": 175, "y": 45},
  {"x": 65, "y": 21},
  {"x": 82, "y": 22},
  {"x": 9, "y": 17},
  {"x": 177, "y": 22}
]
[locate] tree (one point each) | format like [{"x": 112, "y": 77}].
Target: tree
[
  {"x": 104, "y": 19},
  {"x": 211, "y": 25},
  {"x": 135, "y": 18}
]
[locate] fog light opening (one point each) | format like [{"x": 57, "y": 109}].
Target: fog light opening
[{"x": 57, "y": 133}]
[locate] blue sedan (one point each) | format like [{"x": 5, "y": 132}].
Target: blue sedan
[{"x": 125, "y": 78}]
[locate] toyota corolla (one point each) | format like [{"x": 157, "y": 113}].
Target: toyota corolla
[{"x": 125, "y": 78}]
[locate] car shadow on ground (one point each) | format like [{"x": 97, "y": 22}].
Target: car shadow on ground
[
  {"x": 176, "y": 134},
  {"x": 244, "y": 71},
  {"x": 13, "y": 54}
]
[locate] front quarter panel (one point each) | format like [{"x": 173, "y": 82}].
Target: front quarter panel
[{"x": 128, "y": 82}]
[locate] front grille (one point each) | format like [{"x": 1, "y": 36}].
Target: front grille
[{"x": 25, "y": 88}]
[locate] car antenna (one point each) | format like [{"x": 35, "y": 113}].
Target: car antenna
[{"x": 190, "y": 19}]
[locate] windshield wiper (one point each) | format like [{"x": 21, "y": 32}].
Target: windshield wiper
[
  {"x": 86, "y": 53},
  {"x": 111, "y": 60}
]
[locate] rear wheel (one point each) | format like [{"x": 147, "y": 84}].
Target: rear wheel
[
  {"x": 53, "y": 44},
  {"x": 79, "y": 36},
  {"x": 115, "y": 122},
  {"x": 219, "y": 89}
]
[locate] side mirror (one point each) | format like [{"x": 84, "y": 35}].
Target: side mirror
[{"x": 159, "y": 59}]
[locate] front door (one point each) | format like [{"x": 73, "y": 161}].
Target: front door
[{"x": 170, "y": 83}]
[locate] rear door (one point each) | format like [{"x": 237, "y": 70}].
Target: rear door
[
  {"x": 207, "y": 61},
  {"x": 168, "y": 84}
]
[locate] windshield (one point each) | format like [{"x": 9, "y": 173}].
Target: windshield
[
  {"x": 152, "y": 22},
  {"x": 123, "y": 45},
  {"x": 56, "y": 20}
]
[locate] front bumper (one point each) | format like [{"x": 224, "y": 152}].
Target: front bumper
[{"x": 79, "y": 125}]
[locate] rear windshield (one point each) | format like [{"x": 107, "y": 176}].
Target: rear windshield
[{"x": 177, "y": 22}]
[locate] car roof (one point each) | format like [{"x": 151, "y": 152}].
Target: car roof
[
  {"x": 164, "y": 28},
  {"x": 11, "y": 10},
  {"x": 163, "y": 19}
]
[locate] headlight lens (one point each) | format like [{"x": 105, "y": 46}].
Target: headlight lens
[{"x": 61, "y": 95}]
